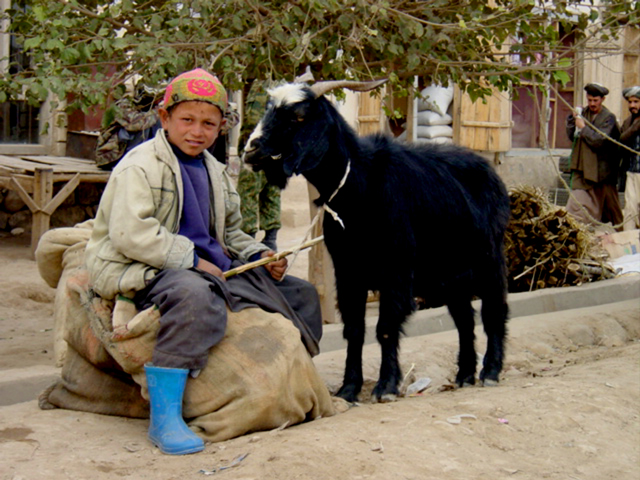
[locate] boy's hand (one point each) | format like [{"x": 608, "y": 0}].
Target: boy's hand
[
  {"x": 209, "y": 267},
  {"x": 277, "y": 268}
]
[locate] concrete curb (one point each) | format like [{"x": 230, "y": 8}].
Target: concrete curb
[
  {"x": 25, "y": 384},
  {"x": 425, "y": 322}
]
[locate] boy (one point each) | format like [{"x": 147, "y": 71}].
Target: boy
[{"x": 167, "y": 227}]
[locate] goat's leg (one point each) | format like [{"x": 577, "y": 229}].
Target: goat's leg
[
  {"x": 463, "y": 316},
  {"x": 393, "y": 313},
  {"x": 386, "y": 390},
  {"x": 352, "y": 307},
  {"x": 495, "y": 312},
  {"x": 494, "y": 319}
]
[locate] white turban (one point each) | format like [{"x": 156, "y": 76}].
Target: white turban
[{"x": 631, "y": 92}]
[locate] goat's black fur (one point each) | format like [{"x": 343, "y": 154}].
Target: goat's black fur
[{"x": 420, "y": 221}]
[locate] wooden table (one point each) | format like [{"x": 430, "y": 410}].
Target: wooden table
[{"x": 33, "y": 177}]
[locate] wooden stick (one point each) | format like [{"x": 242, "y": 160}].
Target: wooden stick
[{"x": 277, "y": 256}]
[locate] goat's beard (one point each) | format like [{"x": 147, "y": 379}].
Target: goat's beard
[
  {"x": 277, "y": 177},
  {"x": 274, "y": 172}
]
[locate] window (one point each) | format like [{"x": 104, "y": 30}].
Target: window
[
  {"x": 21, "y": 124},
  {"x": 539, "y": 121}
]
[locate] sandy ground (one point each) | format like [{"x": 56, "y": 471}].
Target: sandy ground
[{"x": 568, "y": 407}]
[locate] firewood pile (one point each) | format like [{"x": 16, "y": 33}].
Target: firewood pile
[{"x": 546, "y": 247}]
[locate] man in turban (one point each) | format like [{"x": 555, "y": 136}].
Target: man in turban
[
  {"x": 594, "y": 160},
  {"x": 630, "y": 136}
]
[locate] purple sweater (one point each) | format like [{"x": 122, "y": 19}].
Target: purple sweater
[{"x": 195, "y": 221}]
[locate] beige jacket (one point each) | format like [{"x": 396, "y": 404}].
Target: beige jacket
[{"x": 135, "y": 234}]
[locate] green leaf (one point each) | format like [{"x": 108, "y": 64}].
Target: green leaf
[
  {"x": 562, "y": 77},
  {"x": 33, "y": 42},
  {"x": 564, "y": 62},
  {"x": 418, "y": 29},
  {"x": 70, "y": 55},
  {"x": 54, "y": 44},
  {"x": 39, "y": 13}
]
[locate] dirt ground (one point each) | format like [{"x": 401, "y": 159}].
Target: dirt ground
[{"x": 568, "y": 407}]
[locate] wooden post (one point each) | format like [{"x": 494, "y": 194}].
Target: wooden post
[
  {"x": 321, "y": 273},
  {"x": 42, "y": 195},
  {"x": 412, "y": 112},
  {"x": 42, "y": 205}
]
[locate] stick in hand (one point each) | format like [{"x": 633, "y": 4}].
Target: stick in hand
[{"x": 277, "y": 256}]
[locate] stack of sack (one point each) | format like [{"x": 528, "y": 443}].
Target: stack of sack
[
  {"x": 259, "y": 377},
  {"x": 433, "y": 121}
]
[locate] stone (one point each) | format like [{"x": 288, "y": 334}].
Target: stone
[
  {"x": 21, "y": 219},
  {"x": 89, "y": 193},
  {"x": 12, "y": 202},
  {"x": 4, "y": 220},
  {"x": 67, "y": 217}
]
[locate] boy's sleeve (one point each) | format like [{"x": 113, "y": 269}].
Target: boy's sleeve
[{"x": 136, "y": 233}]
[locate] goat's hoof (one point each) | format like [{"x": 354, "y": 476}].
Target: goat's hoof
[
  {"x": 468, "y": 381},
  {"x": 384, "y": 398},
  {"x": 348, "y": 393},
  {"x": 489, "y": 379},
  {"x": 384, "y": 393},
  {"x": 489, "y": 382}
]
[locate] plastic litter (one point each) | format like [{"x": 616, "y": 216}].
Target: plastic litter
[
  {"x": 457, "y": 419},
  {"x": 418, "y": 386},
  {"x": 235, "y": 462}
]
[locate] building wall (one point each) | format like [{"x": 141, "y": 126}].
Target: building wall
[
  {"x": 605, "y": 69},
  {"x": 533, "y": 167}
]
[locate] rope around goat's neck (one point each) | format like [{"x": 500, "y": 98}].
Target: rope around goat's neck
[{"x": 321, "y": 209}]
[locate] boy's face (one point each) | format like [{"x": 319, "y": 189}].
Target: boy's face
[{"x": 192, "y": 126}]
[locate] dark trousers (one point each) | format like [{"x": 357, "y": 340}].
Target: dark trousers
[{"x": 193, "y": 308}]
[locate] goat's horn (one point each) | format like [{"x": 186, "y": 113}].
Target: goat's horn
[{"x": 321, "y": 88}]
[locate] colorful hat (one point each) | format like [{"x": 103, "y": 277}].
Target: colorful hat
[
  {"x": 631, "y": 92},
  {"x": 596, "y": 90},
  {"x": 198, "y": 85}
]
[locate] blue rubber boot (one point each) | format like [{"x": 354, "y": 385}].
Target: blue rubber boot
[{"x": 167, "y": 429}]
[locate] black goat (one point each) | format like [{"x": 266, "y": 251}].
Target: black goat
[{"x": 419, "y": 221}]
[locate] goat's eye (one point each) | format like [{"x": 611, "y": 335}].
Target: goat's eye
[{"x": 299, "y": 118}]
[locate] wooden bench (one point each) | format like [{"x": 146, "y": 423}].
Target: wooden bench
[{"x": 33, "y": 177}]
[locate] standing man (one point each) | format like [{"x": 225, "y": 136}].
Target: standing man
[
  {"x": 630, "y": 136},
  {"x": 594, "y": 161},
  {"x": 259, "y": 200}
]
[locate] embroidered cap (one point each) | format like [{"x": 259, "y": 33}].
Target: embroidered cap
[
  {"x": 631, "y": 92},
  {"x": 198, "y": 85}
]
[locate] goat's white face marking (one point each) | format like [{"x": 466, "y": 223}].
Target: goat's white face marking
[
  {"x": 257, "y": 133},
  {"x": 287, "y": 94}
]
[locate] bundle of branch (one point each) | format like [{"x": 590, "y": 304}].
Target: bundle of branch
[{"x": 546, "y": 247}]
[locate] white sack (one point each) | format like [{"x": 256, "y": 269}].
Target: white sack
[
  {"x": 428, "y": 117},
  {"x": 436, "y": 99}
]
